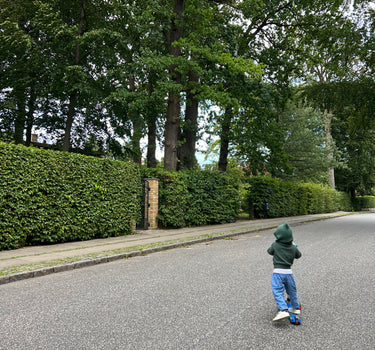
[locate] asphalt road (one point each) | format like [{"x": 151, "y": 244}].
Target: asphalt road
[{"x": 207, "y": 296}]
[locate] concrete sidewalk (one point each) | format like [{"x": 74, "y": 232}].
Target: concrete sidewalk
[{"x": 37, "y": 261}]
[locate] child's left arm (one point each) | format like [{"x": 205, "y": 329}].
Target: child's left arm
[{"x": 298, "y": 253}]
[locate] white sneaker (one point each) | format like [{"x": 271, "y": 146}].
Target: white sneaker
[
  {"x": 294, "y": 311},
  {"x": 281, "y": 315}
]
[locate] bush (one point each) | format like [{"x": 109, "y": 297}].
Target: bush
[
  {"x": 275, "y": 198},
  {"x": 196, "y": 197},
  {"x": 53, "y": 197},
  {"x": 364, "y": 202}
]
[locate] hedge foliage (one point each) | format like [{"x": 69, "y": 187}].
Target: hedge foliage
[
  {"x": 196, "y": 197},
  {"x": 51, "y": 197},
  {"x": 364, "y": 202},
  {"x": 271, "y": 197}
]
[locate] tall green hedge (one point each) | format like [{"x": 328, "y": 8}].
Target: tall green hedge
[
  {"x": 364, "y": 202},
  {"x": 51, "y": 197},
  {"x": 196, "y": 197},
  {"x": 275, "y": 198}
]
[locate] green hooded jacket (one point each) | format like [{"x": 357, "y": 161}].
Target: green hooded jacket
[{"x": 283, "y": 250}]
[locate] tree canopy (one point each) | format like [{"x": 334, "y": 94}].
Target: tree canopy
[{"x": 290, "y": 84}]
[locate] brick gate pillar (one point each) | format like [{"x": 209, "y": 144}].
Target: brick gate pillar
[{"x": 152, "y": 207}]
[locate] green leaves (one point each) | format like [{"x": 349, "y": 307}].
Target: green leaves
[
  {"x": 112, "y": 65},
  {"x": 305, "y": 144},
  {"x": 196, "y": 197},
  {"x": 51, "y": 197},
  {"x": 270, "y": 197}
]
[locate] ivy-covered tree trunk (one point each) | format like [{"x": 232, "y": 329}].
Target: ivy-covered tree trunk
[
  {"x": 189, "y": 130},
  {"x": 172, "y": 123},
  {"x": 224, "y": 139}
]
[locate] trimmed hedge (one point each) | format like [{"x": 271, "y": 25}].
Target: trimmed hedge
[
  {"x": 52, "y": 197},
  {"x": 196, "y": 197},
  {"x": 364, "y": 202},
  {"x": 270, "y": 197}
]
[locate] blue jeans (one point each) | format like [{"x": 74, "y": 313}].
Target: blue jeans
[{"x": 281, "y": 282}]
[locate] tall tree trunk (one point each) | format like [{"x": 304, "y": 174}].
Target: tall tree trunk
[
  {"x": 352, "y": 192},
  {"x": 69, "y": 121},
  {"x": 189, "y": 131},
  {"x": 173, "y": 111},
  {"x": 30, "y": 116},
  {"x": 224, "y": 139},
  {"x": 329, "y": 143},
  {"x": 151, "y": 145},
  {"x": 151, "y": 128},
  {"x": 74, "y": 94},
  {"x": 135, "y": 140},
  {"x": 19, "y": 122},
  {"x": 137, "y": 128},
  {"x": 171, "y": 132}
]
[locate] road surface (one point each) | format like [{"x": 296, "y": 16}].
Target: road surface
[{"x": 208, "y": 296}]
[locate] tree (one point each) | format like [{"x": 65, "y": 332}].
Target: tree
[
  {"x": 332, "y": 53},
  {"x": 305, "y": 144},
  {"x": 110, "y": 73},
  {"x": 197, "y": 42},
  {"x": 268, "y": 33},
  {"x": 354, "y": 132},
  {"x": 173, "y": 111},
  {"x": 24, "y": 62},
  {"x": 258, "y": 134},
  {"x": 189, "y": 127},
  {"x": 91, "y": 37}
]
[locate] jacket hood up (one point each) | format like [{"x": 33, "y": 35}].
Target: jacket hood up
[{"x": 284, "y": 233}]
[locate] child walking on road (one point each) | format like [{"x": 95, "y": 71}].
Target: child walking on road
[{"x": 284, "y": 252}]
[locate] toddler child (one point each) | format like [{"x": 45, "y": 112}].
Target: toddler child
[{"x": 284, "y": 252}]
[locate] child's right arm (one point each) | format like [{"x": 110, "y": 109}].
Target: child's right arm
[{"x": 271, "y": 250}]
